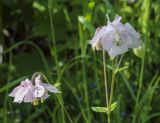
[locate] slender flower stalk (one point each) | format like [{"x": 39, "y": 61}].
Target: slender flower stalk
[
  {"x": 105, "y": 81},
  {"x": 84, "y": 71},
  {"x": 54, "y": 54},
  {"x": 111, "y": 94},
  {"x": 119, "y": 62},
  {"x": 146, "y": 21},
  {"x": 114, "y": 68}
]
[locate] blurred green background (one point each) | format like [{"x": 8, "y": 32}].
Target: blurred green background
[{"x": 52, "y": 36}]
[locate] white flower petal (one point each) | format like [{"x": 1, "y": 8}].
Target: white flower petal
[
  {"x": 109, "y": 29},
  {"x": 15, "y": 90},
  {"x": 97, "y": 45},
  {"x": 125, "y": 37},
  {"x": 117, "y": 50},
  {"x": 20, "y": 95},
  {"x": 45, "y": 96},
  {"x": 135, "y": 37},
  {"x": 135, "y": 42},
  {"x": 95, "y": 42},
  {"x": 107, "y": 41},
  {"x": 38, "y": 79},
  {"x": 117, "y": 21},
  {"x": 29, "y": 97},
  {"x": 131, "y": 30},
  {"x": 51, "y": 88},
  {"x": 39, "y": 91}
]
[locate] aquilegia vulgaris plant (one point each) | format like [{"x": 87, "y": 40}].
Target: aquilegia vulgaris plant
[
  {"x": 32, "y": 90},
  {"x": 115, "y": 38}
]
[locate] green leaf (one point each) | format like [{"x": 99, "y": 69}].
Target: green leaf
[
  {"x": 110, "y": 67},
  {"x": 57, "y": 84},
  {"x": 86, "y": 23},
  {"x": 113, "y": 106},
  {"x": 121, "y": 68},
  {"x": 100, "y": 109},
  {"x": 104, "y": 109},
  {"x": 38, "y": 6}
]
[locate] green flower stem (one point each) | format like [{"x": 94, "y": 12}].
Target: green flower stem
[
  {"x": 145, "y": 47},
  {"x": 145, "y": 24},
  {"x": 105, "y": 81},
  {"x": 84, "y": 72},
  {"x": 54, "y": 53},
  {"x": 53, "y": 46},
  {"x": 119, "y": 62},
  {"x": 114, "y": 69},
  {"x": 6, "y": 97},
  {"x": 111, "y": 94}
]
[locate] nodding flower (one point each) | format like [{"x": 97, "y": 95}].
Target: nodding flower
[
  {"x": 23, "y": 92},
  {"x": 115, "y": 38},
  {"x": 32, "y": 90},
  {"x": 41, "y": 89}
]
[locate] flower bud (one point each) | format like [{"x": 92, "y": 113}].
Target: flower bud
[{"x": 139, "y": 51}]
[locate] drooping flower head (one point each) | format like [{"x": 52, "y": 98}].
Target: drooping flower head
[
  {"x": 116, "y": 38},
  {"x": 32, "y": 90},
  {"x": 41, "y": 89}
]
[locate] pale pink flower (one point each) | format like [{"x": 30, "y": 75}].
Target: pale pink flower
[
  {"x": 41, "y": 89},
  {"x": 23, "y": 92},
  {"x": 116, "y": 38},
  {"x": 32, "y": 90}
]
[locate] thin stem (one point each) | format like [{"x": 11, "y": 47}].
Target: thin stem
[
  {"x": 112, "y": 85},
  {"x": 6, "y": 96},
  {"x": 145, "y": 47},
  {"x": 112, "y": 89},
  {"x": 81, "y": 36},
  {"x": 105, "y": 80},
  {"x": 146, "y": 32},
  {"x": 119, "y": 61},
  {"x": 54, "y": 53},
  {"x": 53, "y": 41},
  {"x": 95, "y": 72},
  {"x": 68, "y": 116}
]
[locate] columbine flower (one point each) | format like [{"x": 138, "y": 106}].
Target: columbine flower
[
  {"x": 23, "y": 92},
  {"x": 41, "y": 89},
  {"x": 115, "y": 38},
  {"x": 32, "y": 90}
]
